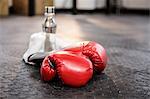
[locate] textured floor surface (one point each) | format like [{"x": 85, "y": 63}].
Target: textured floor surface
[{"x": 126, "y": 39}]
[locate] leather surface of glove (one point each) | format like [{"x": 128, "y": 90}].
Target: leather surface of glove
[
  {"x": 47, "y": 70},
  {"x": 92, "y": 50},
  {"x": 72, "y": 69}
]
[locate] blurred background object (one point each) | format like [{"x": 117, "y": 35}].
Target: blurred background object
[
  {"x": 36, "y": 7},
  {"x": 30, "y": 7},
  {"x": 4, "y": 7},
  {"x": 136, "y": 4},
  {"x": 63, "y": 4},
  {"x": 86, "y": 4}
]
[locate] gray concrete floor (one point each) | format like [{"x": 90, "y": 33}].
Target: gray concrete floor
[{"x": 126, "y": 39}]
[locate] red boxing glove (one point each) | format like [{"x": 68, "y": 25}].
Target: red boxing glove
[
  {"x": 72, "y": 69},
  {"x": 47, "y": 70},
  {"x": 92, "y": 50}
]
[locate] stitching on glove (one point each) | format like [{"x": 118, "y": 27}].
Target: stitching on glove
[
  {"x": 90, "y": 51},
  {"x": 59, "y": 65}
]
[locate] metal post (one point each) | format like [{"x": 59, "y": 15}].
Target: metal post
[
  {"x": 74, "y": 9},
  {"x": 108, "y": 6}
]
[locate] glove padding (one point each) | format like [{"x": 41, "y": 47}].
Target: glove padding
[
  {"x": 72, "y": 69},
  {"x": 47, "y": 70},
  {"x": 92, "y": 50}
]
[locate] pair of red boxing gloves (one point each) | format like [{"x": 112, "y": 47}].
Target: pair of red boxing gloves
[{"x": 75, "y": 64}]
